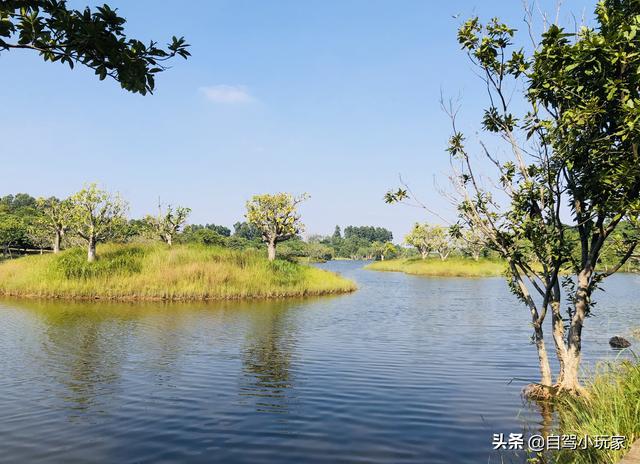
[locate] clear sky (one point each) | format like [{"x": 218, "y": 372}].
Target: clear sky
[{"x": 332, "y": 97}]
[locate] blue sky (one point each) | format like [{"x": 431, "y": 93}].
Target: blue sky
[{"x": 334, "y": 98}]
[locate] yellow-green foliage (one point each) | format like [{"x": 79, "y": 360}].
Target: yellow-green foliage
[
  {"x": 612, "y": 408},
  {"x": 159, "y": 272},
  {"x": 434, "y": 267}
]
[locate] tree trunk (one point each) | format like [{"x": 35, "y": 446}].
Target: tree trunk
[
  {"x": 543, "y": 358},
  {"x": 381, "y": 257},
  {"x": 91, "y": 250},
  {"x": 169, "y": 239},
  {"x": 424, "y": 254},
  {"x": 535, "y": 391},
  {"x": 271, "y": 250},
  {"x": 569, "y": 376},
  {"x": 56, "y": 241},
  {"x": 558, "y": 338}
]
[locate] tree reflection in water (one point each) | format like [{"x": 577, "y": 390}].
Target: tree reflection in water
[
  {"x": 267, "y": 359},
  {"x": 85, "y": 349}
]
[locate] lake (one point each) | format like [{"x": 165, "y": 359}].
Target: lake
[{"x": 406, "y": 369}]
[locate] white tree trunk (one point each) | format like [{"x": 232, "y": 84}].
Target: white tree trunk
[
  {"x": 569, "y": 380},
  {"x": 91, "y": 250},
  {"x": 558, "y": 339},
  {"x": 56, "y": 241},
  {"x": 543, "y": 359},
  {"x": 271, "y": 250}
]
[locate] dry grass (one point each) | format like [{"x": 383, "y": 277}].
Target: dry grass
[
  {"x": 156, "y": 272},
  {"x": 434, "y": 267}
]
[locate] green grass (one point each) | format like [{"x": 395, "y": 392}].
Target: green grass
[
  {"x": 434, "y": 267},
  {"x": 156, "y": 272},
  {"x": 612, "y": 408}
]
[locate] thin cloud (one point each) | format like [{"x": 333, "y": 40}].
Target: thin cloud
[{"x": 231, "y": 94}]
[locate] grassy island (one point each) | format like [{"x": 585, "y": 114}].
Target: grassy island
[
  {"x": 434, "y": 267},
  {"x": 158, "y": 272}
]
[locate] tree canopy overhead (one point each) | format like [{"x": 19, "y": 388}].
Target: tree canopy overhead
[{"x": 95, "y": 38}]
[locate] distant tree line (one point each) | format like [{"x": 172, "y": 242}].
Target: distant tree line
[
  {"x": 358, "y": 242},
  {"x": 94, "y": 216}
]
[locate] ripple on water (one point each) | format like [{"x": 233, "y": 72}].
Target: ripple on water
[{"x": 407, "y": 369}]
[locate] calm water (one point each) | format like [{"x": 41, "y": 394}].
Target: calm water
[{"x": 407, "y": 369}]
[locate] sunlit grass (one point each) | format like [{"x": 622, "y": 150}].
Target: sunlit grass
[
  {"x": 612, "y": 408},
  {"x": 158, "y": 272},
  {"x": 434, "y": 267}
]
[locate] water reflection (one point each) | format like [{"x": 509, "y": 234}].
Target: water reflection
[
  {"x": 86, "y": 345},
  {"x": 82, "y": 351},
  {"x": 267, "y": 359},
  {"x": 404, "y": 370}
]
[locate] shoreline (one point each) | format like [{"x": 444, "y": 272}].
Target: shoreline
[{"x": 162, "y": 299}]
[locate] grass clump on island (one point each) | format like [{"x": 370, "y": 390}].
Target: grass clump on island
[
  {"x": 612, "y": 407},
  {"x": 154, "y": 271},
  {"x": 435, "y": 267}
]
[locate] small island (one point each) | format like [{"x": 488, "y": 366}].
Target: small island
[
  {"x": 435, "y": 267},
  {"x": 158, "y": 272},
  {"x": 109, "y": 256}
]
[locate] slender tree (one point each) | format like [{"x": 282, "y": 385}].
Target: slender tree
[
  {"x": 576, "y": 145},
  {"x": 97, "y": 216},
  {"x": 276, "y": 217}
]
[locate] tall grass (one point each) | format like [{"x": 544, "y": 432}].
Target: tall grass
[
  {"x": 157, "y": 272},
  {"x": 434, "y": 267},
  {"x": 612, "y": 408}
]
